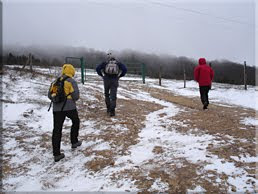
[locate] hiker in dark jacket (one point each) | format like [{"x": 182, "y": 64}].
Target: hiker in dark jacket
[
  {"x": 65, "y": 109},
  {"x": 204, "y": 74},
  {"x": 111, "y": 70}
]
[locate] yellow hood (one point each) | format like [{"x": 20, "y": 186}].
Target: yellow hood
[{"x": 68, "y": 70}]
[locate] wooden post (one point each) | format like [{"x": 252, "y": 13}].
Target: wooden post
[
  {"x": 143, "y": 73},
  {"x": 160, "y": 75},
  {"x": 184, "y": 77},
  {"x": 245, "y": 76},
  {"x": 210, "y": 67},
  {"x": 27, "y": 62},
  {"x": 30, "y": 61}
]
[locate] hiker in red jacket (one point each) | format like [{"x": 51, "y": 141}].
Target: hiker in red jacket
[{"x": 203, "y": 74}]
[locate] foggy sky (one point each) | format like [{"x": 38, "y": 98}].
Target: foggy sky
[{"x": 212, "y": 29}]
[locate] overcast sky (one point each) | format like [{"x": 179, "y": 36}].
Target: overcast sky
[{"x": 214, "y": 29}]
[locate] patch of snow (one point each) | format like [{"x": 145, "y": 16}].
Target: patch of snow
[
  {"x": 14, "y": 112},
  {"x": 42, "y": 123},
  {"x": 221, "y": 167},
  {"x": 197, "y": 189},
  {"x": 102, "y": 146},
  {"x": 160, "y": 186},
  {"x": 250, "y": 121},
  {"x": 245, "y": 159},
  {"x": 143, "y": 150},
  {"x": 243, "y": 184}
]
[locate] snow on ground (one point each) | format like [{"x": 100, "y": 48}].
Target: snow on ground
[
  {"x": 25, "y": 104},
  {"x": 220, "y": 93},
  {"x": 250, "y": 121}
]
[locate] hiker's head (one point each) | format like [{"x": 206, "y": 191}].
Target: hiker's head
[
  {"x": 68, "y": 70},
  {"x": 110, "y": 56},
  {"x": 202, "y": 61}
]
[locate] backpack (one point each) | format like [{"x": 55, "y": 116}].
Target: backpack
[
  {"x": 57, "y": 92},
  {"x": 112, "y": 68}
]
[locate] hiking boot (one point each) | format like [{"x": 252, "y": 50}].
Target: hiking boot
[
  {"x": 205, "y": 105},
  {"x": 75, "y": 145},
  {"x": 59, "y": 157},
  {"x": 112, "y": 113}
]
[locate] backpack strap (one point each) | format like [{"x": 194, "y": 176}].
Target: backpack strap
[
  {"x": 65, "y": 101},
  {"x": 63, "y": 80},
  {"x": 50, "y": 105}
]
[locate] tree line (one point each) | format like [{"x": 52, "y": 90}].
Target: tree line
[{"x": 171, "y": 67}]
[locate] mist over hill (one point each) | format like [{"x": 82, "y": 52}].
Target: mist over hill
[{"x": 171, "y": 67}]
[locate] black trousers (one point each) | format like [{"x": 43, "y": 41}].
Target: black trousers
[
  {"x": 59, "y": 118},
  {"x": 110, "y": 90},
  {"x": 204, "y": 91}
]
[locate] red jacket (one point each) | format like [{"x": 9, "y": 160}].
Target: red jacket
[{"x": 203, "y": 73}]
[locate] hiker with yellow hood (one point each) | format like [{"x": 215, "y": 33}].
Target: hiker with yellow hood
[{"x": 64, "y": 93}]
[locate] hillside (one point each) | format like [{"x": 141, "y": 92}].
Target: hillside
[{"x": 160, "y": 140}]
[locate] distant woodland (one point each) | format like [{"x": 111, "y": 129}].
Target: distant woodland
[{"x": 171, "y": 67}]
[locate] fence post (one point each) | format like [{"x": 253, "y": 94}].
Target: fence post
[
  {"x": 30, "y": 61},
  {"x": 143, "y": 73},
  {"x": 84, "y": 62},
  {"x": 211, "y": 83},
  {"x": 184, "y": 77},
  {"x": 82, "y": 69},
  {"x": 245, "y": 76},
  {"x": 160, "y": 75}
]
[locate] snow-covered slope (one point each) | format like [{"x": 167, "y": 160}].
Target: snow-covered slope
[{"x": 159, "y": 141}]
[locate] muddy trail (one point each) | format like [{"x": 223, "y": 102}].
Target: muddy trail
[{"x": 182, "y": 143}]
